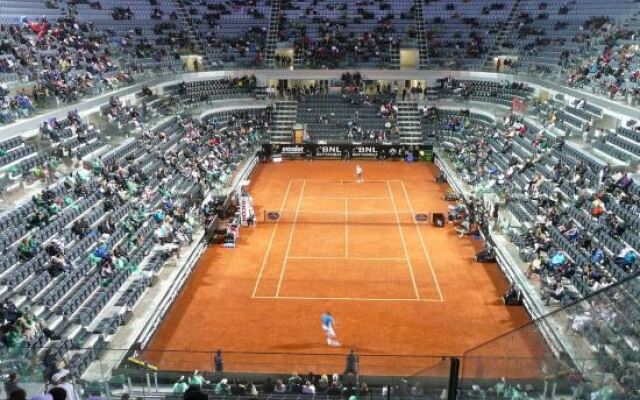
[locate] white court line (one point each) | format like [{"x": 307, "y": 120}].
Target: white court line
[
  {"x": 340, "y": 298},
  {"x": 346, "y": 198},
  {"x": 346, "y": 228},
  {"x": 348, "y": 258},
  {"x": 343, "y": 181},
  {"x": 404, "y": 244},
  {"x": 273, "y": 235},
  {"x": 424, "y": 247},
  {"x": 350, "y": 213},
  {"x": 293, "y": 228}
]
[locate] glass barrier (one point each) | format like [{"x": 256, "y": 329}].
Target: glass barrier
[
  {"x": 259, "y": 362},
  {"x": 587, "y": 350},
  {"x": 23, "y": 362},
  {"x": 154, "y": 374},
  {"x": 382, "y": 375},
  {"x": 594, "y": 353}
]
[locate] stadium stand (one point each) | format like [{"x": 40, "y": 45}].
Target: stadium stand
[
  {"x": 97, "y": 204},
  {"x": 78, "y": 246},
  {"x": 573, "y": 213}
]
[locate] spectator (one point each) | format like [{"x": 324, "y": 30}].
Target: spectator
[
  {"x": 17, "y": 394},
  {"x": 58, "y": 393},
  {"x": 196, "y": 379},
  {"x": 251, "y": 389},
  {"x": 512, "y": 297},
  {"x": 180, "y": 386},
  {"x": 335, "y": 389},
  {"x": 323, "y": 384},
  {"x": 194, "y": 393},
  {"x": 11, "y": 383},
  {"x": 27, "y": 248},
  {"x": 279, "y": 387},
  {"x": 108, "y": 226},
  {"x": 59, "y": 380},
  {"x": 80, "y": 227},
  {"x": 222, "y": 388},
  {"x": 626, "y": 258},
  {"x": 365, "y": 392},
  {"x": 308, "y": 388},
  {"x": 268, "y": 386}
]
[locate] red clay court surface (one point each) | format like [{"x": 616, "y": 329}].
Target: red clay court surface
[{"x": 397, "y": 288}]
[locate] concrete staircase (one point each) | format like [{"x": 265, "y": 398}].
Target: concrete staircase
[
  {"x": 298, "y": 60},
  {"x": 198, "y": 42},
  {"x": 409, "y": 122},
  {"x": 285, "y": 114},
  {"x": 272, "y": 35},
  {"x": 423, "y": 46},
  {"x": 394, "y": 57},
  {"x": 504, "y": 33}
]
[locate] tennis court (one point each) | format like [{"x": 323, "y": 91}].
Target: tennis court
[{"x": 398, "y": 287}]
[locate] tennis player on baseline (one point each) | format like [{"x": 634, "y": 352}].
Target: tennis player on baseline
[
  {"x": 328, "y": 325},
  {"x": 359, "y": 177}
]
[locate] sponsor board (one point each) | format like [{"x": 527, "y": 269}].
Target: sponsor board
[
  {"x": 340, "y": 150},
  {"x": 364, "y": 151},
  {"x": 328, "y": 150},
  {"x": 291, "y": 150}
]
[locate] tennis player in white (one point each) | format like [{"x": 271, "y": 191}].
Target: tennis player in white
[
  {"x": 359, "y": 177},
  {"x": 328, "y": 325}
]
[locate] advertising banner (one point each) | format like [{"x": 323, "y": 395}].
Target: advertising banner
[{"x": 371, "y": 151}]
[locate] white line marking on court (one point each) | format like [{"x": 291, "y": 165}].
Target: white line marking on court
[
  {"x": 293, "y": 228},
  {"x": 346, "y": 228},
  {"x": 349, "y": 258},
  {"x": 273, "y": 235},
  {"x": 342, "y": 212},
  {"x": 343, "y": 181},
  {"x": 340, "y": 298},
  {"x": 346, "y": 198},
  {"x": 404, "y": 244},
  {"x": 424, "y": 247}
]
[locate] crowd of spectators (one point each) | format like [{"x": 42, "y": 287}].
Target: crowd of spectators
[
  {"x": 17, "y": 324},
  {"x": 332, "y": 43},
  {"x": 59, "y": 388},
  {"x": 356, "y": 113},
  {"x": 283, "y": 61},
  {"x": 71, "y": 126},
  {"x": 204, "y": 155},
  {"x": 207, "y": 158},
  {"x": 335, "y": 49},
  {"x": 240, "y": 44},
  {"x": 249, "y": 44},
  {"x": 14, "y": 107},
  {"x": 345, "y": 385},
  {"x": 613, "y": 71},
  {"x": 546, "y": 194},
  {"x": 575, "y": 219},
  {"x": 64, "y": 60},
  {"x": 124, "y": 115},
  {"x": 122, "y": 13}
]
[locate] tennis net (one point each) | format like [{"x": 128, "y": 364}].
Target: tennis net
[{"x": 350, "y": 217}]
